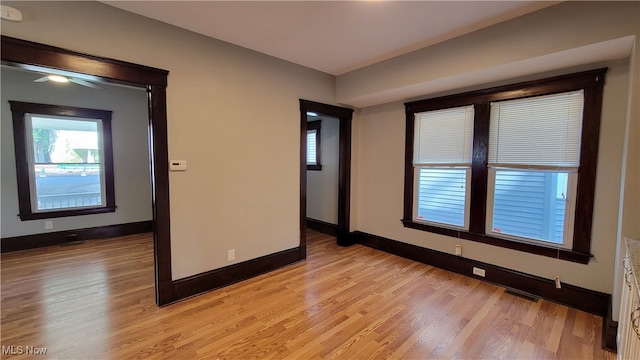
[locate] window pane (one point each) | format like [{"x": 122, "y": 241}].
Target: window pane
[
  {"x": 64, "y": 141},
  {"x": 311, "y": 147},
  {"x": 68, "y": 186},
  {"x": 66, "y": 163},
  {"x": 526, "y": 204},
  {"x": 441, "y": 195}
]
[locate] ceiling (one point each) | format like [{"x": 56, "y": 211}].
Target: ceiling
[{"x": 334, "y": 37}]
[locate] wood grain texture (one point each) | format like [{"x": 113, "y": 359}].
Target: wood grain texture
[{"x": 96, "y": 300}]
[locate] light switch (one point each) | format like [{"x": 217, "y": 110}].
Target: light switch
[{"x": 178, "y": 165}]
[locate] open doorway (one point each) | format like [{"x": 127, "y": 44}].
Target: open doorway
[
  {"x": 323, "y": 133},
  {"x": 344, "y": 117},
  {"x": 33, "y": 56}
]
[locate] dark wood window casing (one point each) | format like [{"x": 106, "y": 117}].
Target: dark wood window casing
[
  {"x": 591, "y": 82},
  {"x": 19, "y": 110}
]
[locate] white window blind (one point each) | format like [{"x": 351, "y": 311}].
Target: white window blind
[
  {"x": 444, "y": 137},
  {"x": 443, "y": 144},
  {"x": 543, "y": 131},
  {"x": 311, "y": 147}
]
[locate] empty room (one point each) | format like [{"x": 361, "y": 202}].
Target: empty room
[{"x": 328, "y": 179}]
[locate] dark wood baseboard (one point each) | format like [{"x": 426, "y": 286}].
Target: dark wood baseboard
[
  {"x": 590, "y": 301},
  {"x": 609, "y": 331},
  {"x": 214, "y": 279},
  {"x": 26, "y": 242},
  {"x": 323, "y": 227}
]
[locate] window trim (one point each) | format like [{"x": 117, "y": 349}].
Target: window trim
[
  {"x": 316, "y": 125},
  {"x": 592, "y": 83},
  {"x": 19, "y": 110}
]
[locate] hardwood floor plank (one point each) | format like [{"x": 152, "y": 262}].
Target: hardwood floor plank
[{"x": 96, "y": 301}]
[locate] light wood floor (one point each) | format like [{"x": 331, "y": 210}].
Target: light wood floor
[{"x": 96, "y": 300}]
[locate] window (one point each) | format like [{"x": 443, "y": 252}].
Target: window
[
  {"x": 313, "y": 145},
  {"x": 64, "y": 160},
  {"x": 534, "y": 153},
  {"x": 515, "y": 167},
  {"x": 442, "y": 163}
]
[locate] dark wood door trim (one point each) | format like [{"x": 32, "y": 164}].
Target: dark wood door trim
[
  {"x": 35, "y": 56},
  {"x": 345, "y": 116}
]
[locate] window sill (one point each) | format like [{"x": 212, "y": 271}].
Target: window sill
[
  {"x": 65, "y": 213},
  {"x": 314, "y": 167},
  {"x": 564, "y": 254}
]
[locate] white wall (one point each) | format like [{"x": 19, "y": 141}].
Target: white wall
[
  {"x": 322, "y": 186},
  {"x": 233, "y": 114},
  {"x": 468, "y": 62},
  {"x": 130, "y": 150}
]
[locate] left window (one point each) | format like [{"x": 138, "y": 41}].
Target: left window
[
  {"x": 313, "y": 145},
  {"x": 64, "y": 161}
]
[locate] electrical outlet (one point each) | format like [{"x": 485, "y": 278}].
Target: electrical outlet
[
  {"x": 231, "y": 255},
  {"x": 48, "y": 225},
  {"x": 458, "y": 249},
  {"x": 478, "y": 271}
]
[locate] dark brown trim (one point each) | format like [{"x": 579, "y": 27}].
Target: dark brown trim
[
  {"x": 564, "y": 254},
  {"x": 344, "y": 168},
  {"x": 609, "y": 331},
  {"x": 322, "y": 226},
  {"x": 592, "y": 83},
  {"x": 479, "y": 171},
  {"x": 588, "y": 164},
  {"x": 407, "y": 213},
  {"x": 303, "y": 182},
  {"x": 160, "y": 192},
  {"x": 232, "y": 274},
  {"x": 590, "y": 301},
  {"x": 26, "y": 242},
  {"x": 34, "y": 56},
  {"x": 556, "y": 84},
  {"x": 344, "y": 181},
  {"x": 19, "y": 110}
]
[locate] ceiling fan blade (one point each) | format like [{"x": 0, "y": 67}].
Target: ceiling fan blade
[
  {"x": 42, "y": 79},
  {"x": 84, "y": 83}
]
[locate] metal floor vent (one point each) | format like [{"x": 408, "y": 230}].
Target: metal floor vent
[
  {"x": 69, "y": 243},
  {"x": 522, "y": 294}
]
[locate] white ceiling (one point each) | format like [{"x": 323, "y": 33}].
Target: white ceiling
[{"x": 332, "y": 36}]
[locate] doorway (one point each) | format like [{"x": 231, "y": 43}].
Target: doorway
[
  {"x": 345, "y": 116},
  {"x": 38, "y": 57}
]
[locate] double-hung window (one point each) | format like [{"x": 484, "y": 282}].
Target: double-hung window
[
  {"x": 512, "y": 166},
  {"x": 442, "y": 163},
  {"x": 64, "y": 163},
  {"x": 534, "y": 159}
]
